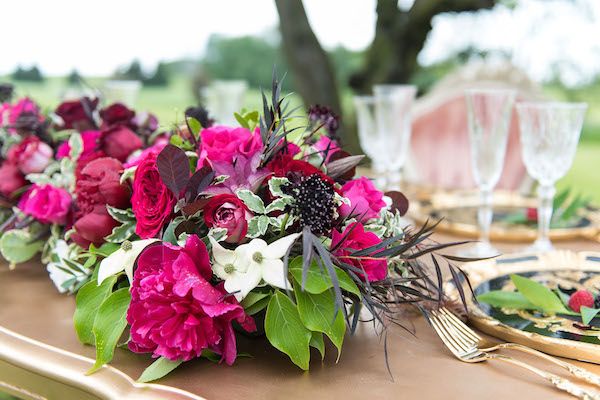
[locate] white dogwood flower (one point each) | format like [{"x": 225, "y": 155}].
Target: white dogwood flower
[
  {"x": 123, "y": 259},
  {"x": 243, "y": 269}
]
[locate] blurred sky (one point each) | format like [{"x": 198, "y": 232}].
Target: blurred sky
[{"x": 542, "y": 36}]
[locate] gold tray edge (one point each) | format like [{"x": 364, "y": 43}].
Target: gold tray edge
[
  {"x": 69, "y": 368},
  {"x": 561, "y": 259}
]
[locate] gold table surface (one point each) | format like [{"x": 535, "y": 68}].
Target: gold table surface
[{"x": 421, "y": 366}]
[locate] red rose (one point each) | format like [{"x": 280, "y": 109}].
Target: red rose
[
  {"x": 12, "y": 179},
  {"x": 152, "y": 201},
  {"x": 119, "y": 142},
  {"x": 355, "y": 238},
  {"x": 93, "y": 227},
  {"x": 98, "y": 185},
  {"x": 229, "y": 212},
  {"x": 284, "y": 165},
  {"x": 31, "y": 155},
  {"x": 77, "y": 114},
  {"x": 116, "y": 114}
]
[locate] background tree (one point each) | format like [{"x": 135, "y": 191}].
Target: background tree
[
  {"x": 32, "y": 74},
  {"x": 160, "y": 76},
  {"x": 314, "y": 77},
  {"x": 132, "y": 72},
  {"x": 399, "y": 37},
  {"x": 74, "y": 78}
]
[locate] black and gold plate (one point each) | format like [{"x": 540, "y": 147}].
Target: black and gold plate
[{"x": 559, "y": 335}]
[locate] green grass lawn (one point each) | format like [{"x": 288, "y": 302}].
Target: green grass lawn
[{"x": 168, "y": 103}]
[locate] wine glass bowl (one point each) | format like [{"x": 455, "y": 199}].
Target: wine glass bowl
[{"x": 549, "y": 135}]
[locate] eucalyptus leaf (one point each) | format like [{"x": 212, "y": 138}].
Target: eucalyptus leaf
[
  {"x": 158, "y": 369},
  {"x": 88, "y": 301},
  {"x": 285, "y": 330},
  {"x": 588, "y": 314},
  {"x": 109, "y": 324},
  {"x": 16, "y": 246}
]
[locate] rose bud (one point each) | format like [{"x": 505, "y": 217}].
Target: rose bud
[
  {"x": 119, "y": 142},
  {"x": 116, "y": 114},
  {"x": 31, "y": 155},
  {"x": 229, "y": 212},
  {"x": 77, "y": 114},
  {"x": 46, "y": 203},
  {"x": 12, "y": 179}
]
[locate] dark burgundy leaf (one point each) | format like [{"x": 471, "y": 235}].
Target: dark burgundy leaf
[
  {"x": 198, "y": 182},
  {"x": 195, "y": 206},
  {"x": 399, "y": 201},
  {"x": 337, "y": 168},
  {"x": 338, "y": 155},
  {"x": 174, "y": 168}
]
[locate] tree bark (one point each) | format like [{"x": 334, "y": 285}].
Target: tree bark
[
  {"x": 313, "y": 74},
  {"x": 399, "y": 37}
]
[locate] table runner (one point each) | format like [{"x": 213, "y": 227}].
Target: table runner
[{"x": 421, "y": 366}]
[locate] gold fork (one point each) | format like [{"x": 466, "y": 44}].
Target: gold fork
[
  {"x": 487, "y": 346},
  {"x": 466, "y": 350}
]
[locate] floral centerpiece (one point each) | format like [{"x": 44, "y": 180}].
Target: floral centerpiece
[{"x": 187, "y": 239}]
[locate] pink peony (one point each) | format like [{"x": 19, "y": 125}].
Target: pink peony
[
  {"x": 11, "y": 179},
  {"x": 90, "y": 142},
  {"x": 356, "y": 238},
  {"x": 326, "y": 146},
  {"x": 46, "y": 203},
  {"x": 31, "y": 155},
  {"x": 223, "y": 143},
  {"x": 175, "y": 312},
  {"x": 365, "y": 200}
]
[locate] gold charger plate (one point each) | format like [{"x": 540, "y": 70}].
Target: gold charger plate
[
  {"x": 561, "y": 267},
  {"x": 458, "y": 211}
]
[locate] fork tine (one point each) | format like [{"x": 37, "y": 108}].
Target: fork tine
[
  {"x": 464, "y": 342},
  {"x": 460, "y": 324},
  {"x": 442, "y": 334}
]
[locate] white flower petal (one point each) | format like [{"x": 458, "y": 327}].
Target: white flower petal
[
  {"x": 221, "y": 255},
  {"x": 273, "y": 274},
  {"x": 58, "y": 276},
  {"x": 246, "y": 251},
  {"x": 111, "y": 265},
  {"x": 242, "y": 283},
  {"x": 278, "y": 248},
  {"x": 131, "y": 255}
]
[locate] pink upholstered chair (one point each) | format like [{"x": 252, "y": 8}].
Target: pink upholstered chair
[{"x": 440, "y": 152}]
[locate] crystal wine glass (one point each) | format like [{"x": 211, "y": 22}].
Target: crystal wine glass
[
  {"x": 393, "y": 104},
  {"x": 549, "y": 136},
  {"x": 488, "y": 117},
  {"x": 368, "y": 135}
]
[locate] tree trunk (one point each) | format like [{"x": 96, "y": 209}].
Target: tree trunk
[
  {"x": 399, "y": 37},
  {"x": 313, "y": 74}
]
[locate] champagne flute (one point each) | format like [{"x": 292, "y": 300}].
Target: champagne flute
[
  {"x": 393, "y": 104},
  {"x": 549, "y": 136},
  {"x": 368, "y": 135},
  {"x": 488, "y": 116}
]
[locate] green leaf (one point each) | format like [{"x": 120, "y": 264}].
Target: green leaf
[
  {"x": 539, "y": 295},
  {"x": 263, "y": 224},
  {"x": 504, "y": 298},
  {"x": 158, "y": 369},
  {"x": 121, "y": 233},
  {"x": 255, "y": 302},
  {"x": 253, "y": 228},
  {"x": 169, "y": 235},
  {"x": 109, "y": 325},
  {"x": 275, "y": 185},
  {"x": 588, "y": 314},
  {"x": 105, "y": 250},
  {"x": 16, "y": 246},
  {"x": 252, "y": 201},
  {"x": 241, "y": 120},
  {"x": 285, "y": 330},
  {"x": 76, "y": 145},
  {"x": 119, "y": 215},
  {"x": 88, "y": 300},
  {"x": 316, "y": 341},
  {"x": 317, "y": 312},
  {"x": 318, "y": 280},
  {"x": 277, "y": 205},
  {"x": 560, "y": 199},
  {"x": 194, "y": 125}
]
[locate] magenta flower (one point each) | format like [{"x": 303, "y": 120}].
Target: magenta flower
[
  {"x": 90, "y": 142},
  {"x": 175, "y": 312},
  {"x": 365, "y": 200},
  {"x": 225, "y": 144},
  {"x": 243, "y": 174},
  {"x": 46, "y": 203},
  {"x": 325, "y": 146}
]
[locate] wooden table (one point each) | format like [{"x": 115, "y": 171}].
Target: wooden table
[{"x": 422, "y": 368}]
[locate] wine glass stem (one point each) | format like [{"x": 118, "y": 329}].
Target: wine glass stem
[
  {"x": 545, "y": 197},
  {"x": 484, "y": 215}
]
